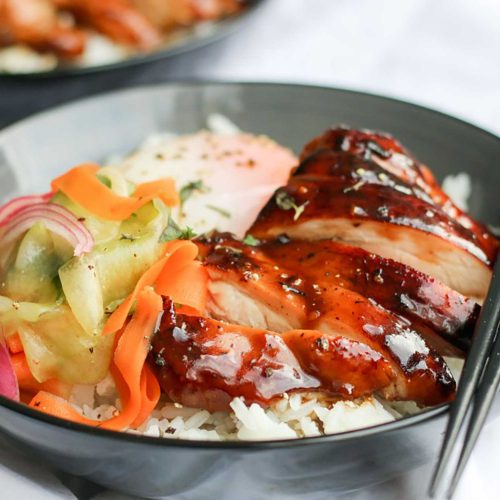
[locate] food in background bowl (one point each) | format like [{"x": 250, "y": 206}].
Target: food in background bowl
[
  {"x": 207, "y": 287},
  {"x": 39, "y": 35}
]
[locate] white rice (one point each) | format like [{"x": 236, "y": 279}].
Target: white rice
[
  {"x": 292, "y": 416},
  {"x": 458, "y": 187}
]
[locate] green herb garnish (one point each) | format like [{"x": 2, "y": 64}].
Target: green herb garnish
[
  {"x": 286, "y": 201},
  {"x": 219, "y": 210},
  {"x": 174, "y": 232},
  {"x": 127, "y": 237},
  {"x": 112, "y": 306},
  {"x": 250, "y": 240},
  {"x": 191, "y": 187}
]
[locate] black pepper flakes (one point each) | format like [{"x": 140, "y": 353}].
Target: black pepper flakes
[{"x": 160, "y": 361}]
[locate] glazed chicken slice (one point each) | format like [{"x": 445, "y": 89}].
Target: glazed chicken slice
[
  {"x": 437, "y": 312},
  {"x": 338, "y": 196},
  {"x": 201, "y": 362},
  {"x": 247, "y": 287},
  {"x": 390, "y": 155}
]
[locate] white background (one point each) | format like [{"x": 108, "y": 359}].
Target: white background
[{"x": 441, "y": 53}]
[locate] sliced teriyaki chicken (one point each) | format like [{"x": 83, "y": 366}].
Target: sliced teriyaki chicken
[
  {"x": 441, "y": 315},
  {"x": 247, "y": 287},
  {"x": 390, "y": 155},
  {"x": 201, "y": 362},
  {"x": 223, "y": 180},
  {"x": 341, "y": 196}
]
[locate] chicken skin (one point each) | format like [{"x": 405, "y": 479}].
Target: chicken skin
[
  {"x": 247, "y": 287},
  {"x": 398, "y": 214}
]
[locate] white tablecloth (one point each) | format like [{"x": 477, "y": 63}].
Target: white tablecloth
[{"x": 443, "y": 54}]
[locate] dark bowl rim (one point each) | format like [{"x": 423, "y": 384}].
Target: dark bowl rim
[
  {"x": 223, "y": 28},
  {"x": 407, "y": 421}
]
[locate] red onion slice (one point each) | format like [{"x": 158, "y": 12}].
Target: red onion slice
[
  {"x": 8, "y": 380},
  {"x": 56, "y": 219},
  {"x": 10, "y": 209}
]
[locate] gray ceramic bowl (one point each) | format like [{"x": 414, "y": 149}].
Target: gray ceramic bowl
[{"x": 35, "y": 150}]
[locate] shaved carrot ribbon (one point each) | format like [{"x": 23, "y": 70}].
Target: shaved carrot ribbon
[
  {"x": 176, "y": 275},
  {"x": 138, "y": 387},
  {"x": 14, "y": 343},
  {"x": 181, "y": 277},
  {"x": 81, "y": 185},
  {"x": 187, "y": 286},
  {"x": 58, "y": 407},
  {"x": 29, "y": 384},
  {"x": 150, "y": 395}
]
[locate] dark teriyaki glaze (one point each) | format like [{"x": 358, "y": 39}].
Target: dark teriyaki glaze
[
  {"x": 318, "y": 303},
  {"x": 378, "y": 147},
  {"x": 375, "y": 148},
  {"x": 205, "y": 363},
  {"x": 372, "y": 324},
  {"x": 250, "y": 269},
  {"x": 326, "y": 198},
  {"x": 432, "y": 307}
]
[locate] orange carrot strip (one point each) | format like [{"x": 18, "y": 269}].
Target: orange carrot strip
[
  {"x": 14, "y": 343},
  {"x": 56, "y": 387},
  {"x": 174, "y": 275},
  {"x": 21, "y": 368},
  {"x": 150, "y": 395},
  {"x": 28, "y": 383},
  {"x": 82, "y": 186},
  {"x": 128, "y": 360},
  {"x": 139, "y": 389},
  {"x": 186, "y": 286},
  {"x": 178, "y": 251},
  {"x": 162, "y": 188},
  {"x": 130, "y": 354},
  {"x": 58, "y": 407}
]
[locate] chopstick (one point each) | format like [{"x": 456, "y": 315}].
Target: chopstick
[
  {"x": 478, "y": 385},
  {"x": 485, "y": 395}
]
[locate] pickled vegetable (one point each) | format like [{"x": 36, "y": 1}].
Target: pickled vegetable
[
  {"x": 93, "y": 282},
  {"x": 33, "y": 274},
  {"x": 56, "y": 346},
  {"x": 102, "y": 230}
]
